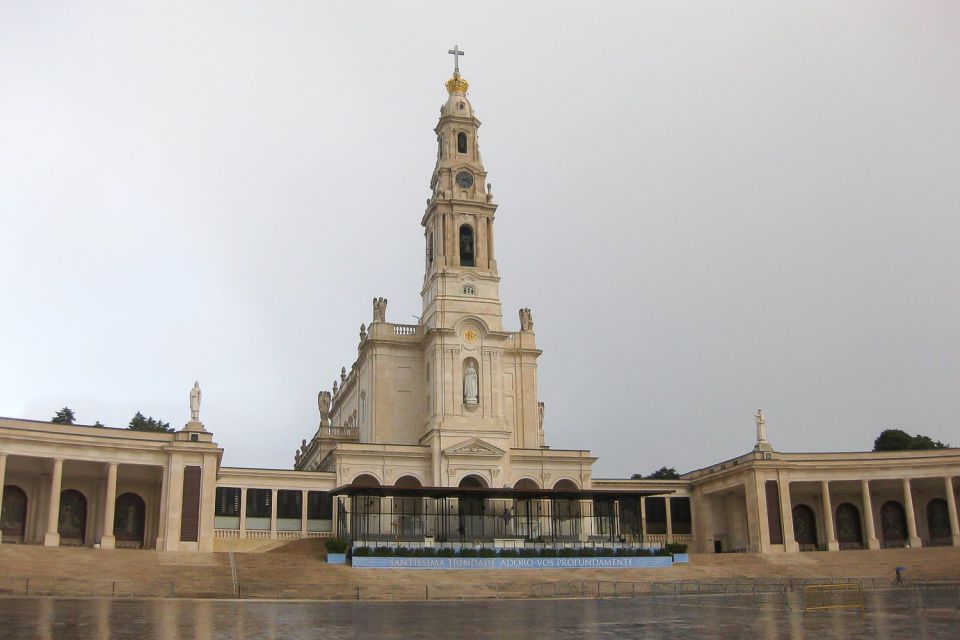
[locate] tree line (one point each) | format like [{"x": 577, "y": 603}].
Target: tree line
[
  {"x": 888, "y": 440},
  {"x": 137, "y": 423}
]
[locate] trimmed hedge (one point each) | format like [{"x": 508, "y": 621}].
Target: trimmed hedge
[
  {"x": 676, "y": 547},
  {"x": 487, "y": 552},
  {"x": 336, "y": 545}
]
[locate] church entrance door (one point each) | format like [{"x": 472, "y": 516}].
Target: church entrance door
[
  {"x": 13, "y": 514},
  {"x": 128, "y": 520},
  {"x": 805, "y": 527},
  {"x": 72, "y": 524}
]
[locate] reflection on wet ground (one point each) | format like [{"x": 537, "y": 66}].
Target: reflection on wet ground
[{"x": 69, "y": 619}]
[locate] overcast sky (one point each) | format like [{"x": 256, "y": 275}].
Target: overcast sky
[{"x": 709, "y": 207}]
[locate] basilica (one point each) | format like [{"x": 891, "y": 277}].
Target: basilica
[{"x": 435, "y": 436}]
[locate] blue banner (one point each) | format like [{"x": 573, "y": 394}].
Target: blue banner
[{"x": 628, "y": 562}]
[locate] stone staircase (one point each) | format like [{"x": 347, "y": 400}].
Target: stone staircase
[{"x": 298, "y": 569}]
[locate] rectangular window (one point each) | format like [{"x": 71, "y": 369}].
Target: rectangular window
[
  {"x": 319, "y": 505},
  {"x": 288, "y": 504},
  {"x": 656, "y": 510},
  {"x": 190, "y": 510},
  {"x": 773, "y": 511},
  {"x": 680, "y": 521},
  {"x": 228, "y": 502},
  {"x": 258, "y": 503}
]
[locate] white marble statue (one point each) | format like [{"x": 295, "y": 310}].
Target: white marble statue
[
  {"x": 471, "y": 387},
  {"x": 761, "y": 426},
  {"x": 195, "y": 403}
]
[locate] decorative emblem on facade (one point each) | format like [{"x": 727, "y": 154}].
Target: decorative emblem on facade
[{"x": 470, "y": 335}]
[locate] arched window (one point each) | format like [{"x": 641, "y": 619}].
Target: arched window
[
  {"x": 13, "y": 513},
  {"x": 461, "y": 142},
  {"x": 849, "y": 534},
  {"x": 466, "y": 246}
]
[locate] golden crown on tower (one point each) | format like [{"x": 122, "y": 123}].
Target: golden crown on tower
[{"x": 457, "y": 84}]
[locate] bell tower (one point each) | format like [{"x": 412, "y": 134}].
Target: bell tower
[{"x": 460, "y": 276}]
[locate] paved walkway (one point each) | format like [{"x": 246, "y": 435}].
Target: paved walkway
[{"x": 104, "y": 619}]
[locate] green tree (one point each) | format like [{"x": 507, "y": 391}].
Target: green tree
[
  {"x": 64, "y": 416},
  {"x": 140, "y": 423},
  {"x": 663, "y": 473},
  {"x": 97, "y": 424},
  {"x": 900, "y": 440}
]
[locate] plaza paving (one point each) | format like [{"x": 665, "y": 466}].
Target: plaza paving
[{"x": 73, "y": 619}]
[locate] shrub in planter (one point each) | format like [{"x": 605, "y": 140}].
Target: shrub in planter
[
  {"x": 604, "y": 552},
  {"x": 586, "y": 552},
  {"x": 548, "y": 553},
  {"x": 662, "y": 551},
  {"x": 336, "y": 545},
  {"x": 568, "y": 553},
  {"x": 361, "y": 551},
  {"x": 403, "y": 552},
  {"x": 644, "y": 553},
  {"x": 445, "y": 553},
  {"x": 528, "y": 553},
  {"x": 383, "y": 552},
  {"x": 467, "y": 552},
  {"x": 509, "y": 553},
  {"x": 488, "y": 553},
  {"x": 676, "y": 547}
]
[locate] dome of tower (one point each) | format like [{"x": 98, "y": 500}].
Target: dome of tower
[{"x": 457, "y": 103}]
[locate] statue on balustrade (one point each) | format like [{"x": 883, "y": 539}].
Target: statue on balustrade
[
  {"x": 379, "y": 309},
  {"x": 323, "y": 401}
]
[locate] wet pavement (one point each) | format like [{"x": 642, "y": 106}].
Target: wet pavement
[{"x": 69, "y": 619}]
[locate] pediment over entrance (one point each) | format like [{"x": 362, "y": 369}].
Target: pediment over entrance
[{"x": 474, "y": 447}]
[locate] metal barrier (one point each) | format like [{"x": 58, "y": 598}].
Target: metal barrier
[
  {"x": 823, "y": 597},
  {"x": 804, "y": 594}
]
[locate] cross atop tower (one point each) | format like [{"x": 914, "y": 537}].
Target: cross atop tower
[{"x": 456, "y": 53}]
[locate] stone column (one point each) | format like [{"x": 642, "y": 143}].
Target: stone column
[
  {"x": 107, "y": 541},
  {"x": 303, "y": 514},
  {"x": 872, "y": 541},
  {"x": 273, "y": 514},
  {"x": 786, "y": 516},
  {"x": 911, "y": 516},
  {"x": 52, "y": 537},
  {"x": 243, "y": 512},
  {"x": 947, "y": 485},
  {"x": 643, "y": 519},
  {"x": 161, "y": 542},
  {"x": 832, "y": 544},
  {"x": 3, "y": 472},
  {"x": 666, "y": 502}
]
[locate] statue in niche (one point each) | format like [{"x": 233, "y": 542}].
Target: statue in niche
[
  {"x": 379, "y": 309},
  {"x": 761, "y": 426},
  {"x": 323, "y": 401},
  {"x": 526, "y": 319},
  {"x": 471, "y": 386},
  {"x": 195, "y": 402}
]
